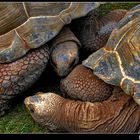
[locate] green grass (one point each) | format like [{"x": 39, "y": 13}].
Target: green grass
[
  {"x": 18, "y": 119},
  {"x": 105, "y": 8}
]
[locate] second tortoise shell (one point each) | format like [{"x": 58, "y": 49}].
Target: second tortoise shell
[{"x": 118, "y": 63}]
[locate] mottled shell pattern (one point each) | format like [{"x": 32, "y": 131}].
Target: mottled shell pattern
[
  {"x": 24, "y": 26},
  {"x": 118, "y": 63}
]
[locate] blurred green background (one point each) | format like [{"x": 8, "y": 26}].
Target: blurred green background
[{"x": 18, "y": 119}]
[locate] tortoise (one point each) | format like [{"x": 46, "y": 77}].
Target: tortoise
[
  {"x": 24, "y": 49},
  {"x": 117, "y": 114},
  {"x": 118, "y": 62},
  {"x": 90, "y": 111}
]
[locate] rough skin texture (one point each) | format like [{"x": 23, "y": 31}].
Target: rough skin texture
[
  {"x": 93, "y": 31},
  {"x": 118, "y": 114},
  {"x": 18, "y": 76},
  {"x": 82, "y": 84}
]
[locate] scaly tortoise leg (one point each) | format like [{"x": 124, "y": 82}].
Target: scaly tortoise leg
[
  {"x": 81, "y": 84},
  {"x": 18, "y": 76}
]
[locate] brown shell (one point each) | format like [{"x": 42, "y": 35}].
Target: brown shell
[{"x": 29, "y": 25}]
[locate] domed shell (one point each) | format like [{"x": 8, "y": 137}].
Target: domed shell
[
  {"x": 118, "y": 63},
  {"x": 24, "y": 26}
]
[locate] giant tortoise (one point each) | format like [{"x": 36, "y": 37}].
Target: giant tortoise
[{"x": 101, "y": 88}]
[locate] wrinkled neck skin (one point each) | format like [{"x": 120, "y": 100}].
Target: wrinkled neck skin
[
  {"x": 53, "y": 121},
  {"x": 79, "y": 117}
]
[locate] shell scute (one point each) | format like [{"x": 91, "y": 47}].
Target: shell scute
[
  {"x": 45, "y": 8},
  {"x": 11, "y": 16},
  {"x": 129, "y": 52}
]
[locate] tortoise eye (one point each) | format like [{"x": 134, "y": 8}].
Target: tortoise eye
[{"x": 96, "y": 33}]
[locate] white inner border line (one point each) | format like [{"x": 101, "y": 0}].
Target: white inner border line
[{"x": 25, "y": 9}]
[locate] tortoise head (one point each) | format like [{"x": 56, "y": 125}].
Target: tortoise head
[
  {"x": 44, "y": 108},
  {"x": 64, "y": 57}
]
